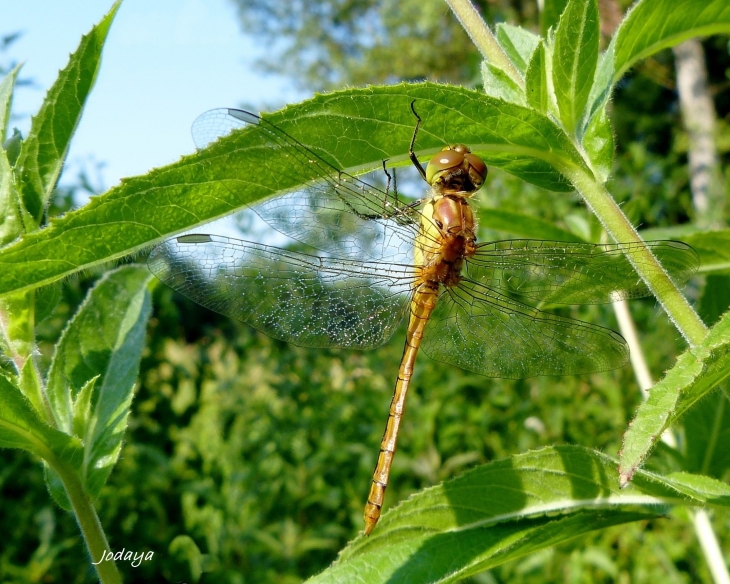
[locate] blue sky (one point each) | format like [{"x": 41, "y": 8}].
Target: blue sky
[{"x": 165, "y": 62}]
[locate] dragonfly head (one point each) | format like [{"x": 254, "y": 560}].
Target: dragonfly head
[{"x": 456, "y": 170}]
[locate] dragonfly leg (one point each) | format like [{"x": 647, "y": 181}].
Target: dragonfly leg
[
  {"x": 422, "y": 305},
  {"x": 411, "y": 154}
]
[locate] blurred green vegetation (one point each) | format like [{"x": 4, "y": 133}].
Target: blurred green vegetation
[{"x": 261, "y": 452}]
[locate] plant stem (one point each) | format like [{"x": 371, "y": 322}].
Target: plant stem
[
  {"x": 89, "y": 523},
  {"x": 710, "y": 546},
  {"x": 482, "y": 37},
  {"x": 646, "y": 265},
  {"x": 700, "y": 520}
]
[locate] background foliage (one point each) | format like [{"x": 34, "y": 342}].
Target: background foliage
[{"x": 261, "y": 452}]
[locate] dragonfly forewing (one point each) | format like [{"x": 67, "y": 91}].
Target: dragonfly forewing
[
  {"x": 327, "y": 209},
  {"x": 574, "y": 273},
  {"x": 480, "y": 330},
  {"x": 299, "y": 298}
]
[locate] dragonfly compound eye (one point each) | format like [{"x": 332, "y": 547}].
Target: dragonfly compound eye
[
  {"x": 477, "y": 169},
  {"x": 443, "y": 161}
]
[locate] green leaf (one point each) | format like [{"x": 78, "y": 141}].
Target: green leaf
[
  {"x": 519, "y": 43},
  {"x": 713, "y": 247},
  {"x": 44, "y": 149},
  {"x": 707, "y": 424},
  {"x": 598, "y": 144},
  {"x": 697, "y": 372},
  {"x": 95, "y": 367},
  {"x": 574, "y": 59},
  {"x": 21, "y": 427},
  {"x": 11, "y": 218},
  {"x": 602, "y": 84},
  {"x": 505, "y": 510},
  {"x": 46, "y": 300},
  {"x": 536, "y": 81},
  {"x": 354, "y": 129},
  {"x": 56, "y": 488},
  {"x": 596, "y": 125},
  {"x": 498, "y": 84},
  {"x": 550, "y": 15},
  {"x": 17, "y": 324},
  {"x": 7, "y": 85},
  {"x": 187, "y": 556},
  {"x": 653, "y": 25},
  {"x": 706, "y": 435},
  {"x": 526, "y": 226},
  {"x": 31, "y": 385}
]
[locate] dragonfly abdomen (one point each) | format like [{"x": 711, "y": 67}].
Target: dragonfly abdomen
[{"x": 422, "y": 305}]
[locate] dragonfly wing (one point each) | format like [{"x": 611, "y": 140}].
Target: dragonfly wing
[
  {"x": 298, "y": 298},
  {"x": 575, "y": 273},
  {"x": 328, "y": 209},
  {"x": 480, "y": 330}
]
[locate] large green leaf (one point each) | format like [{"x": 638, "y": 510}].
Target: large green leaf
[
  {"x": 508, "y": 509},
  {"x": 653, "y": 25},
  {"x": 95, "y": 367},
  {"x": 575, "y": 55},
  {"x": 697, "y": 371},
  {"x": 521, "y": 225},
  {"x": 44, "y": 149},
  {"x": 355, "y": 129}
]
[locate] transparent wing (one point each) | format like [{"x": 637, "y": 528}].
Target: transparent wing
[
  {"x": 480, "y": 330},
  {"x": 574, "y": 273},
  {"x": 295, "y": 297},
  {"x": 333, "y": 212}
]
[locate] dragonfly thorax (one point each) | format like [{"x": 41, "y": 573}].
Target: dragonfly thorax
[{"x": 447, "y": 237}]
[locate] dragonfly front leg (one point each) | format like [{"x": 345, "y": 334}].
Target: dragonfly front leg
[{"x": 422, "y": 305}]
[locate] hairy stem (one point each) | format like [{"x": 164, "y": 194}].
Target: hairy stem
[
  {"x": 482, "y": 37},
  {"x": 646, "y": 265},
  {"x": 89, "y": 523}
]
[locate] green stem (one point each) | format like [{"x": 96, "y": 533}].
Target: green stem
[
  {"x": 646, "y": 265},
  {"x": 89, "y": 523},
  {"x": 482, "y": 37}
]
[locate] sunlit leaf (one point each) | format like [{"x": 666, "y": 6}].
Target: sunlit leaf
[
  {"x": 11, "y": 222},
  {"x": 519, "y": 43},
  {"x": 536, "y": 81},
  {"x": 598, "y": 144},
  {"x": 508, "y": 509},
  {"x": 575, "y": 55},
  {"x": 697, "y": 371},
  {"x": 653, "y": 25},
  {"x": 44, "y": 149},
  {"x": 354, "y": 129},
  {"x": 7, "y": 85},
  {"x": 95, "y": 367},
  {"x": 22, "y": 427},
  {"x": 500, "y": 85}
]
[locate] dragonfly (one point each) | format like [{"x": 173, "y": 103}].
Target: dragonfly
[{"x": 365, "y": 261}]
